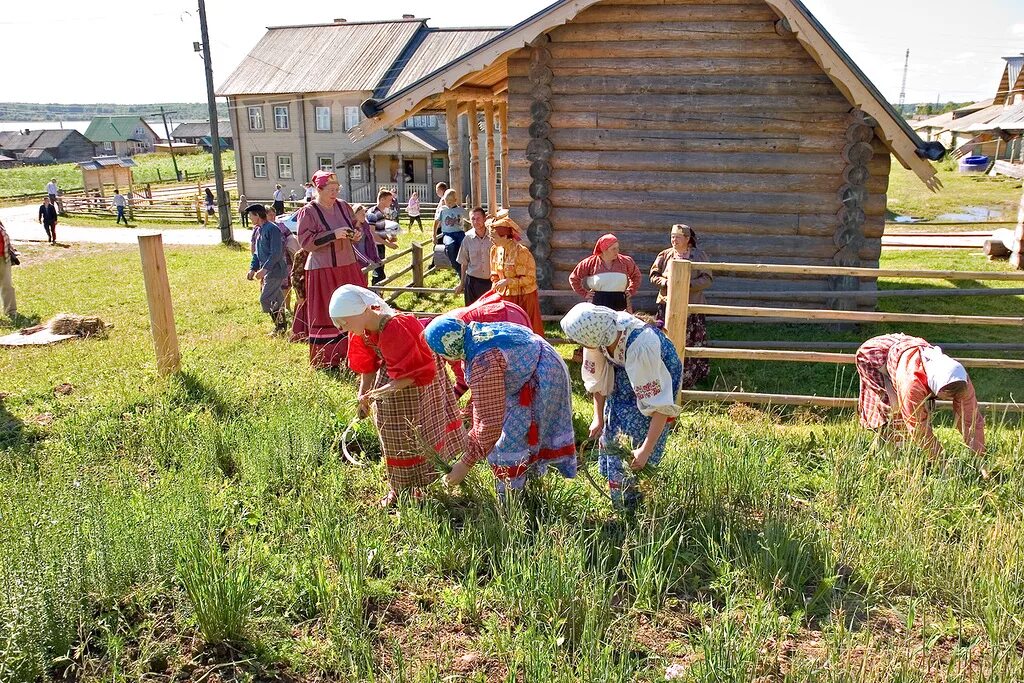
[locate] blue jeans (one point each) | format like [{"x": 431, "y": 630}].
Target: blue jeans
[
  {"x": 120, "y": 215},
  {"x": 452, "y": 243}
]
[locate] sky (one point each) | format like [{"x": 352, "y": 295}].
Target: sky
[{"x": 140, "y": 51}]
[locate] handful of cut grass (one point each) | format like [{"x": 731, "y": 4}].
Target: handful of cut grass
[
  {"x": 622, "y": 447},
  {"x": 428, "y": 451}
]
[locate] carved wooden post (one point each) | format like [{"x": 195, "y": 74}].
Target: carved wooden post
[
  {"x": 539, "y": 152},
  {"x": 454, "y": 149},
  {"x": 492, "y": 181},
  {"x": 474, "y": 153},
  {"x": 161, "y": 312},
  {"x": 503, "y": 122},
  {"x": 677, "y": 308}
]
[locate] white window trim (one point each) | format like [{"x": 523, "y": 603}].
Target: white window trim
[
  {"x": 316, "y": 120},
  {"x": 248, "y": 113},
  {"x": 345, "y": 112},
  {"x": 255, "y": 173},
  {"x": 291, "y": 167},
  {"x": 287, "y": 117},
  {"x": 320, "y": 157}
]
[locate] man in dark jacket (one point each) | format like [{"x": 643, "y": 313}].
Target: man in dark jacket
[{"x": 48, "y": 217}]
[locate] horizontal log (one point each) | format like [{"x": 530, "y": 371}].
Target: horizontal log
[
  {"x": 851, "y": 346},
  {"x": 714, "y": 103},
  {"x": 684, "y": 46},
  {"x": 646, "y": 219},
  {"x": 762, "y": 202},
  {"x": 857, "y": 316},
  {"x": 862, "y": 294},
  {"x": 568, "y": 251},
  {"x": 812, "y": 85},
  {"x": 619, "y": 14},
  {"x": 579, "y": 139},
  {"x": 771, "y": 269},
  {"x": 780, "y": 123},
  {"x": 755, "y": 162},
  {"x": 819, "y": 401},
  {"x": 822, "y": 357},
  {"x": 656, "y": 31},
  {"x": 674, "y": 66}
]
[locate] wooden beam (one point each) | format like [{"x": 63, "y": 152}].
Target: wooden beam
[
  {"x": 469, "y": 94},
  {"x": 806, "y": 314},
  {"x": 819, "y": 401},
  {"x": 454, "y": 148},
  {"x": 822, "y": 357},
  {"x": 474, "y": 154},
  {"x": 492, "y": 181},
  {"x": 677, "y": 305},
  {"x": 503, "y": 116},
  {"x": 773, "y": 269}
]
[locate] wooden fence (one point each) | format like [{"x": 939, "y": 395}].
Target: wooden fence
[
  {"x": 679, "y": 308},
  {"x": 176, "y": 204}
]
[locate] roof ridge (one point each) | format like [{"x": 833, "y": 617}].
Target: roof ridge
[{"x": 377, "y": 22}]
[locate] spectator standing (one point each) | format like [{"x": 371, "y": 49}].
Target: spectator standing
[
  {"x": 475, "y": 259},
  {"x": 210, "y": 206},
  {"x": 51, "y": 190},
  {"x": 452, "y": 232},
  {"x": 118, "y": 203},
  {"x": 439, "y": 189},
  {"x": 376, "y": 218},
  {"x": 621, "y": 278},
  {"x": 278, "y": 200},
  {"x": 308, "y": 196},
  {"x": 242, "y": 205},
  {"x": 273, "y": 270},
  {"x": 8, "y": 256},
  {"x": 412, "y": 210},
  {"x": 48, "y": 217}
]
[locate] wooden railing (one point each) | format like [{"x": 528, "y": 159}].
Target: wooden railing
[{"x": 679, "y": 308}]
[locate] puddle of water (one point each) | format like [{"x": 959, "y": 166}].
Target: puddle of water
[
  {"x": 905, "y": 219},
  {"x": 973, "y": 214}
]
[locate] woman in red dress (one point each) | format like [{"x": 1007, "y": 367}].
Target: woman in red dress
[
  {"x": 327, "y": 230},
  {"x": 405, "y": 384}
]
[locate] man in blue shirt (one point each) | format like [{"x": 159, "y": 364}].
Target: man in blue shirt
[{"x": 273, "y": 268}]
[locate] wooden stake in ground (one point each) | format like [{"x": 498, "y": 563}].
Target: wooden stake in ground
[
  {"x": 678, "y": 305},
  {"x": 158, "y": 295}
]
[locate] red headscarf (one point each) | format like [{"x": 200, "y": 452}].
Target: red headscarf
[
  {"x": 604, "y": 242},
  {"x": 321, "y": 178}
]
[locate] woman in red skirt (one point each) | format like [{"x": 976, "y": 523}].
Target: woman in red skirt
[{"x": 327, "y": 230}]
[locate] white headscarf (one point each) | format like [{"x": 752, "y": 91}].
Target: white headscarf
[
  {"x": 349, "y": 300},
  {"x": 594, "y": 326},
  {"x": 941, "y": 369}
]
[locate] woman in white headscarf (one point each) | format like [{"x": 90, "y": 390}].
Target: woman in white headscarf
[
  {"x": 403, "y": 384},
  {"x": 633, "y": 372}
]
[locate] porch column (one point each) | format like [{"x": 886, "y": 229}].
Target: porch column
[
  {"x": 373, "y": 177},
  {"x": 492, "y": 181},
  {"x": 430, "y": 175},
  {"x": 454, "y": 151},
  {"x": 503, "y": 122},
  {"x": 474, "y": 153},
  {"x": 401, "y": 172}
]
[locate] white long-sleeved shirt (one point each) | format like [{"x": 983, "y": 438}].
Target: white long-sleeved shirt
[{"x": 647, "y": 372}]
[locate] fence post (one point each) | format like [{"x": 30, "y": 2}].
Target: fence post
[
  {"x": 417, "y": 264},
  {"x": 1017, "y": 257},
  {"x": 678, "y": 305},
  {"x": 161, "y": 312}
]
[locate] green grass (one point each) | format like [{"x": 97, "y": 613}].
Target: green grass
[
  {"x": 32, "y": 179},
  {"x": 145, "y": 520},
  {"x": 907, "y": 196}
]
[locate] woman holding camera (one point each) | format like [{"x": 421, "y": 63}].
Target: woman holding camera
[{"x": 327, "y": 230}]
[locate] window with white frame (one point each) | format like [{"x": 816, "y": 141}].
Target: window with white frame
[
  {"x": 255, "y": 118},
  {"x": 108, "y": 146},
  {"x": 284, "y": 166},
  {"x": 351, "y": 117},
  {"x": 281, "y": 117},
  {"x": 259, "y": 165},
  {"x": 355, "y": 172},
  {"x": 422, "y": 121},
  {"x": 323, "y": 118},
  {"x": 326, "y": 162}
]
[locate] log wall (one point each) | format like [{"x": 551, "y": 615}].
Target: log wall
[{"x": 637, "y": 115}]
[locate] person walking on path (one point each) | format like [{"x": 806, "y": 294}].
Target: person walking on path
[
  {"x": 684, "y": 248},
  {"x": 522, "y": 400},
  {"x": 403, "y": 384},
  {"x": 8, "y": 257},
  {"x": 211, "y": 209},
  {"x": 412, "y": 210},
  {"x": 475, "y": 259},
  {"x": 51, "y": 190},
  {"x": 900, "y": 378},
  {"x": 243, "y": 205},
  {"x": 278, "y": 200},
  {"x": 273, "y": 268},
  {"x": 607, "y": 278},
  {"x": 327, "y": 231},
  {"x": 118, "y": 202},
  {"x": 48, "y": 217}
]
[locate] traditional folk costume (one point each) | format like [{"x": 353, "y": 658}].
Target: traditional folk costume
[
  {"x": 490, "y": 308},
  {"x": 606, "y": 284},
  {"x": 513, "y": 262},
  {"x": 695, "y": 369},
  {"x": 900, "y": 376},
  {"x": 522, "y": 401},
  {"x": 641, "y": 378},
  {"x": 424, "y": 414},
  {"x": 331, "y": 263}
]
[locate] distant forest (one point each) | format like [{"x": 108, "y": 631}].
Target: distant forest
[{"x": 34, "y": 111}]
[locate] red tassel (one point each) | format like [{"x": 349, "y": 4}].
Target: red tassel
[
  {"x": 533, "y": 434},
  {"x": 526, "y": 395}
]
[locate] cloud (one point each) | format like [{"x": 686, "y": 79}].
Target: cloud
[{"x": 1017, "y": 29}]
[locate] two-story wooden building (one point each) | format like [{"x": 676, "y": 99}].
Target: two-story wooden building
[{"x": 296, "y": 97}]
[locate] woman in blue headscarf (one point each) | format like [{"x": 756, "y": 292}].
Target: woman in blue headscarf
[{"x": 522, "y": 402}]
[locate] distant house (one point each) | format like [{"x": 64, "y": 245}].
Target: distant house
[
  {"x": 295, "y": 98},
  {"x": 46, "y": 146},
  {"x": 7, "y": 162},
  {"x": 121, "y": 135},
  {"x": 198, "y": 133}
]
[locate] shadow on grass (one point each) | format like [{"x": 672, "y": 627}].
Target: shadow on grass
[
  {"x": 11, "y": 428},
  {"x": 191, "y": 390}
]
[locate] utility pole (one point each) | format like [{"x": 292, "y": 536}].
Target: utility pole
[
  {"x": 903, "y": 88},
  {"x": 223, "y": 212},
  {"x": 170, "y": 141}
]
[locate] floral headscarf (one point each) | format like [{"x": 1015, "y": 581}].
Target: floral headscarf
[
  {"x": 448, "y": 336},
  {"x": 594, "y": 326}
]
